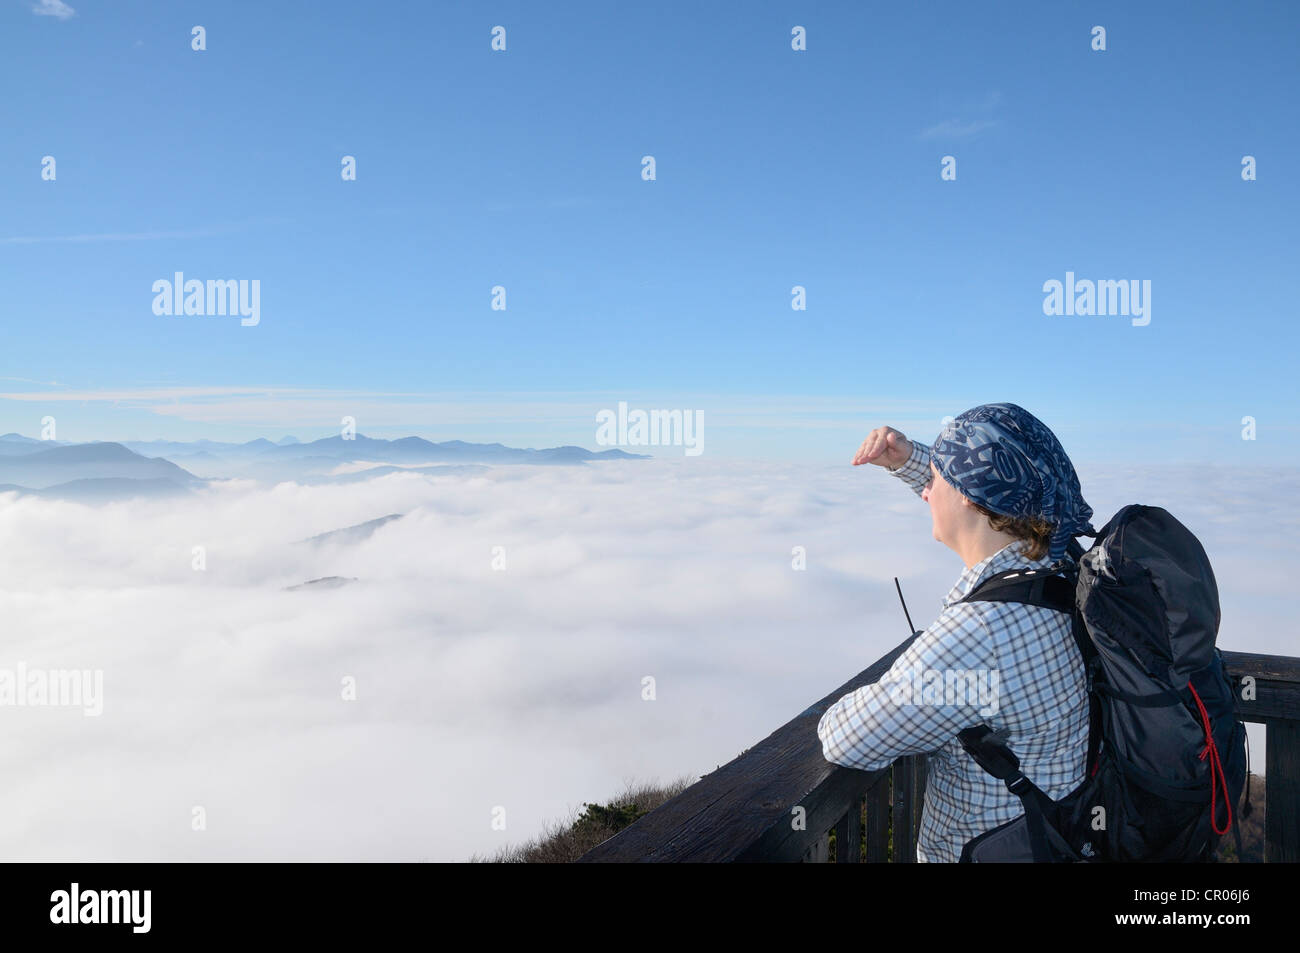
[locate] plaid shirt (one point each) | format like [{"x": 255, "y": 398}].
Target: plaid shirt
[{"x": 1017, "y": 663}]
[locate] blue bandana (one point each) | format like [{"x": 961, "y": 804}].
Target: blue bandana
[{"x": 1005, "y": 459}]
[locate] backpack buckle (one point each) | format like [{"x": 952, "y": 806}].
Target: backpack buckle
[{"x": 1018, "y": 784}]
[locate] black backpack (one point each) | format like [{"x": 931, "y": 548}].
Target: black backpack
[{"x": 1166, "y": 754}]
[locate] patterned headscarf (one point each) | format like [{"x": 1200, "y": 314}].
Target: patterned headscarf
[{"x": 1005, "y": 459}]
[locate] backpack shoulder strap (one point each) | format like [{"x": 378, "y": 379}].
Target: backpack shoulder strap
[
  {"x": 1035, "y": 587},
  {"x": 989, "y": 749},
  {"x": 1043, "y": 587}
]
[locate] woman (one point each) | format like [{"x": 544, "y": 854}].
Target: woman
[{"x": 1002, "y": 495}]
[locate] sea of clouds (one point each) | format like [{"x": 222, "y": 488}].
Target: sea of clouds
[{"x": 481, "y": 688}]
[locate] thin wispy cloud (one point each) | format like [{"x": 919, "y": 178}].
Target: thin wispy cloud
[
  {"x": 212, "y": 231},
  {"x": 965, "y": 128},
  {"x": 551, "y": 204},
  {"x": 959, "y": 128},
  {"x": 306, "y": 407},
  {"x": 102, "y": 237},
  {"x": 54, "y": 8}
]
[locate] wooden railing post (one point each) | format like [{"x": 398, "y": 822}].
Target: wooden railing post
[
  {"x": 1282, "y": 793},
  {"x": 848, "y": 835},
  {"x": 820, "y": 850},
  {"x": 904, "y": 811},
  {"x": 877, "y": 830}
]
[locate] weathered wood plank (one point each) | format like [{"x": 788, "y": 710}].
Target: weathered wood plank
[
  {"x": 822, "y": 808},
  {"x": 877, "y": 827},
  {"x": 848, "y": 835},
  {"x": 1277, "y": 668},
  {"x": 820, "y": 851},
  {"x": 1276, "y": 685},
  {"x": 1282, "y": 794},
  {"x": 905, "y": 811},
  {"x": 922, "y": 768}
]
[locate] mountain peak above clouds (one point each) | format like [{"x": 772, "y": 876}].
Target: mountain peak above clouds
[
  {"x": 72, "y": 465},
  {"x": 44, "y": 465}
]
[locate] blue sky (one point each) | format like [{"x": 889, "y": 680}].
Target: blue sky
[{"x": 775, "y": 168}]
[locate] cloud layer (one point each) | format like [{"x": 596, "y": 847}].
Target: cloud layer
[{"x": 477, "y": 687}]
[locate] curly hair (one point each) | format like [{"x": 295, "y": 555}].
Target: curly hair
[{"x": 1036, "y": 533}]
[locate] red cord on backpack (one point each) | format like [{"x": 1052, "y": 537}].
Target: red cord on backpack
[{"x": 1215, "y": 766}]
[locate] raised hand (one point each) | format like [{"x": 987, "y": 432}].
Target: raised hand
[{"x": 885, "y": 447}]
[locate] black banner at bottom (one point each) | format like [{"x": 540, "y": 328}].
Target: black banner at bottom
[{"x": 135, "y": 902}]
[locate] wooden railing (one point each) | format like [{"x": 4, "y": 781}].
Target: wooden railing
[{"x": 780, "y": 800}]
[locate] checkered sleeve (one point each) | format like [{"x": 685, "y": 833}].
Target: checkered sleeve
[
  {"x": 919, "y": 705},
  {"x": 915, "y": 470}
]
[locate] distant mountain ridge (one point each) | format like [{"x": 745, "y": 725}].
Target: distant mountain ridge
[
  {"x": 360, "y": 447},
  {"x": 47, "y": 467},
  {"x": 419, "y": 450},
  {"x": 110, "y": 470},
  {"x": 15, "y": 444}
]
